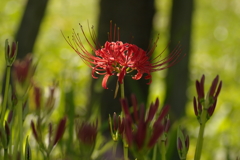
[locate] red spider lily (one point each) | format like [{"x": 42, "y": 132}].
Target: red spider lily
[{"x": 118, "y": 58}]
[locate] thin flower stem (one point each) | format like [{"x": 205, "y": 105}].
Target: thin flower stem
[
  {"x": 163, "y": 150},
  {"x": 122, "y": 89},
  {"x": 198, "y": 150},
  {"x": 125, "y": 150},
  {"x": 20, "y": 125},
  {"x": 154, "y": 157},
  {"x": 5, "y": 154},
  {"x": 5, "y": 93},
  {"x": 125, "y": 145},
  {"x": 114, "y": 149}
]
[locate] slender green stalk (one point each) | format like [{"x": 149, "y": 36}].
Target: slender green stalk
[
  {"x": 198, "y": 150},
  {"x": 5, "y": 93},
  {"x": 163, "y": 150},
  {"x": 125, "y": 145},
  {"x": 48, "y": 156},
  {"x": 5, "y": 154},
  {"x": 114, "y": 149},
  {"x": 20, "y": 125},
  {"x": 125, "y": 150},
  {"x": 154, "y": 157}
]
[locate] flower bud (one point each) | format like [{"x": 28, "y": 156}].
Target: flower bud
[
  {"x": 86, "y": 134},
  {"x": 60, "y": 130},
  {"x": 10, "y": 54},
  {"x": 37, "y": 96},
  {"x": 35, "y": 133},
  {"x": 182, "y": 144},
  {"x": 116, "y": 126},
  {"x": 28, "y": 152},
  {"x": 7, "y": 130}
]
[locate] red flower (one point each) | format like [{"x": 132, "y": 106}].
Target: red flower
[{"x": 118, "y": 58}]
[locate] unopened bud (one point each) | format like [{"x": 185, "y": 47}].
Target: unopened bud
[
  {"x": 182, "y": 144},
  {"x": 10, "y": 52}
]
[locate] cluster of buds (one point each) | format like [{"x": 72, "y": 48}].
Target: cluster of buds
[
  {"x": 143, "y": 130},
  {"x": 116, "y": 125},
  {"x": 46, "y": 103},
  {"x": 209, "y": 101},
  {"x": 52, "y": 140},
  {"x": 86, "y": 134},
  {"x": 182, "y": 143}
]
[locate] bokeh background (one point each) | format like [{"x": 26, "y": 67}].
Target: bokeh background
[{"x": 210, "y": 37}]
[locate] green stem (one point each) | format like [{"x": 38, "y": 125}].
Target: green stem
[
  {"x": 5, "y": 93},
  {"x": 48, "y": 156},
  {"x": 198, "y": 150},
  {"x": 5, "y": 154},
  {"x": 163, "y": 150},
  {"x": 125, "y": 145},
  {"x": 122, "y": 90},
  {"x": 20, "y": 125},
  {"x": 154, "y": 152},
  {"x": 114, "y": 149}
]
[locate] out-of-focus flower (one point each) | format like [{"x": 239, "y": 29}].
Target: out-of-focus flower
[
  {"x": 143, "y": 131},
  {"x": 22, "y": 74},
  {"x": 10, "y": 52},
  {"x": 22, "y": 69},
  {"x": 209, "y": 101},
  {"x": 118, "y": 58},
  {"x": 86, "y": 134},
  {"x": 182, "y": 144}
]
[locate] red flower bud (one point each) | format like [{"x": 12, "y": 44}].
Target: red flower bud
[
  {"x": 60, "y": 130},
  {"x": 35, "y": 134}
]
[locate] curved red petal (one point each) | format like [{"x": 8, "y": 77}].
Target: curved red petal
[
  {"x": 149, "y": 77},
  {"x": 137, "y": 76},
  {"x": 104, "y": 81},
  {"x": 121, "y": 75}
]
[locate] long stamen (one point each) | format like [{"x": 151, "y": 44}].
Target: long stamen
[{"x": 110, "y": 32}]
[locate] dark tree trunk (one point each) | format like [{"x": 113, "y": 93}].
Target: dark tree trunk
[
  {"x": 134, "y": 18},
  {"x": 178, "y": 75},
  {"x": 29, "y": 26}
]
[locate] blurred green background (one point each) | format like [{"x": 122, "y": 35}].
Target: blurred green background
[{"x": 214, "y": 51}]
